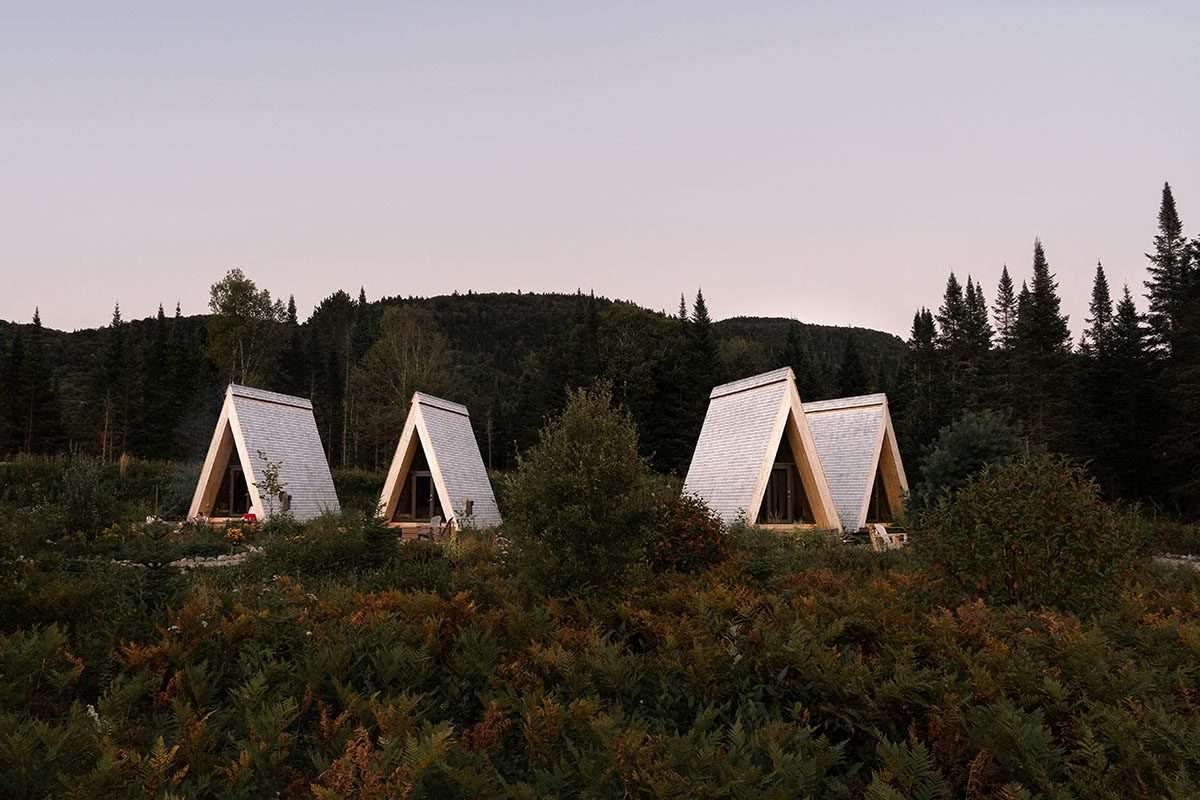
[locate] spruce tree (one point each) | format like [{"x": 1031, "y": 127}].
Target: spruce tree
[
  {"x": 977, "y": 330},
  {"x": 294, "y": 376},
  {"x": 701, "y": 369},
  {"x": 1047, "y": 331},
  {"x": 921, "y": 399},
  {"x": 1133, "y": 410},
  {"x": 1166, "y": 288},
  {"x": 1094, "y": 410},
  {"x": 1042, "y": 356},
  {"x": 703, "y": 345},
  {"x": 1005, "y": 311},
  {"x": 1095, "y": 341},
  {"x": 951, "y": 319}
]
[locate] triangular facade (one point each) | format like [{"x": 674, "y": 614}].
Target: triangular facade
[
  {"x": 860, "y": 458},
  {"x": 255, "y": 428},
  {"x": 756, "y": 458},
  {"x": 437, "y": 470}
]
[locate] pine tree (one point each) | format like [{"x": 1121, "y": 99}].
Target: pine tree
[
  {"x": 1094, "y": 409},
  {"x": 1133, "y": 410},
  {"x": 294, "y": 377},
  {"x": 951, "y": 319},
  {"x": 703, "y": 345},
  {"x": 699, "y": 373},
  {"x": 1095, "y": 341},
  {"x": 1042, "y": 355},
  {"x": 1045, "y": 330},
  {"x": 964, "y": 338},
  {"x": 1180, "y": 382},
  {"x": 1005, "y": 311},
  {"x": 1169, "y": 267},
  {"x": 852, "y": 374},
  {"x": 920, "y": 404},
  {"x": 977, "y": 330}
]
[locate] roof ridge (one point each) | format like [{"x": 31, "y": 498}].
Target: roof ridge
[
  {"x": 442, "y": 403},
  {"x": 752, "y": 382},
  {"x": 267, "y": 396},
  {"x": 842, "y": 403}
]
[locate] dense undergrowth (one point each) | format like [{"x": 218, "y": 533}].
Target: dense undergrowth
[
  {"x": 335, "y": 665},
  {"x": 613, "y": 639}
]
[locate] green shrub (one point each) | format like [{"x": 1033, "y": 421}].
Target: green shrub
[
  {"x": 358, "y": 489},
  {"x": 129, "y": 490},
  {"x": 177, "y": 487},
  {"x": 1175, "y": 537},
  {"x": 1033, "y": 531},
  {"x": 960, "y": 451},
  {"x": 329, "y": 544},
  {"x": 581, "y": 504},
  {"x": 688, "y": 536},
  {"x": 87, "y": 507}
]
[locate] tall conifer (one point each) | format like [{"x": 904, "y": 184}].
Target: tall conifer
[
  {"x": 1166, "y": 288},
  {"x": 1041, "y": 355},
  {"x": 1095, "y": 341},
  {"x": 1005, "y": 311}
]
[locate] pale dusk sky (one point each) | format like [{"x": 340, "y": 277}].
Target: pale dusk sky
[{"x": 814, "y": 160}]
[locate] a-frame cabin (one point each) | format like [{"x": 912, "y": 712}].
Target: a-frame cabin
[
  {"x": 756, "y": 458},
  {"x": 860, "y": 458},
  {"x": 437, "y": 470},
  {"x": 257, "y": 427}
]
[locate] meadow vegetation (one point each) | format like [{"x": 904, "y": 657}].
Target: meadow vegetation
[{"x": 1025, "y": 646}]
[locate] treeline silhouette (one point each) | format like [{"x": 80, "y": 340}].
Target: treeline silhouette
[
  {"x": 1124, "y": 396},
  {"x": 152, "y": 387}
]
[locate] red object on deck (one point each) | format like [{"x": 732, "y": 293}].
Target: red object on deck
[{"x": 250, "y": 518}]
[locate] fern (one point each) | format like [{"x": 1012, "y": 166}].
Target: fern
[{"x": 907, "y": 772}]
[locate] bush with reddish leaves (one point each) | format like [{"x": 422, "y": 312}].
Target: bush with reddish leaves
[{"x": 688, "y": 536}]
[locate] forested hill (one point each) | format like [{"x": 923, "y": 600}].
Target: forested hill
[{"x": 151, "y": 386}]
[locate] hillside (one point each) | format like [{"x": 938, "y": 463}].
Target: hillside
[{"x": 510, "y": 357}]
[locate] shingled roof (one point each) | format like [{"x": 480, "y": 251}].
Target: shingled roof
[
  {"x": 443, "y": 431},
  {"x": 743, "y": 427},
  {"x": 855, "y": 439},
  {"x": 255, "y": 423}
]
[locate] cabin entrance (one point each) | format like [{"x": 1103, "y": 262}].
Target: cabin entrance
[
  {"x": 233, "y": 497},
  {"x": 879, "y": 509},
  {"x": 418, "y": 501},
  {"x": 785, "y": 501}
]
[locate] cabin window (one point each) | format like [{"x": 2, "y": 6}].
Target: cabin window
[
  {"x": 785, "y": 501},
  {"x": 233, "y": 498},
  {"x": 879, "y": 509}
]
